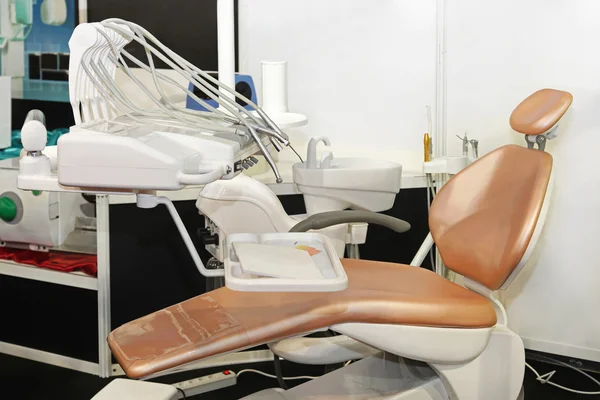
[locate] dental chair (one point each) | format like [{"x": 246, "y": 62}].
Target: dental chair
[
  {"x": 537, "y": 117},
  {"x": 438, "y": 340}
]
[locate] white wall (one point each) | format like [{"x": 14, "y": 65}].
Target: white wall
[
  {"x": 498, "y": 53},
  {"x": 362, "y": 71}
]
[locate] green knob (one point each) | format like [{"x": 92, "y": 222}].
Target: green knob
[
  {"x": 8, "y": 209},
  {"x": 36, "y": 192}
]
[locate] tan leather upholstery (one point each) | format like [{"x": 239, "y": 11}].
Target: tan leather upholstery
[
  {"x": 540, "y": 111},
  {"x": 482, "y": 220},
  {"x": 224, "y": 320}
]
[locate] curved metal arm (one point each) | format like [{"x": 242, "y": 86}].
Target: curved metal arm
[{"x": 326, "y": 219}]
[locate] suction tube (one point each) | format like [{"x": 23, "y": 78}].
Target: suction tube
[{"x": 326, "y": 219}]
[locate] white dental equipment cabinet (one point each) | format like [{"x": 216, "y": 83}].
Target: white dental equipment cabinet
[{"x": 102, "y": 284}]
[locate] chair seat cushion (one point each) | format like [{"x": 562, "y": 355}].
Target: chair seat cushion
[{"x": 223, "y": 320}]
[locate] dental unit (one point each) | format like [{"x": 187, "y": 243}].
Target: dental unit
[
  {"x": 424, "y": 337},
  {"x": 438, "y": 340},
  {"x": 114, "y": 144}
]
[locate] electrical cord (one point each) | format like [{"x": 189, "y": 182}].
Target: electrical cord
[
  {"x": 545, "y": 378},
  {"x": 430, "y": 195},
  {"x": 279, "y": 372},
  {"x": 287, "y": 378},
  {"x": 183, "y": 396}
]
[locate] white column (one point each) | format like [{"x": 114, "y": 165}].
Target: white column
[
  {"x": 226, "y": 43},
  {"x": 103, "y": 246},
  {"x": 5, "y": 111},
  {"x": 274, "y": 87}
]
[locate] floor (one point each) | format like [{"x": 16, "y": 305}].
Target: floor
[{"x": 23, "y": 379}]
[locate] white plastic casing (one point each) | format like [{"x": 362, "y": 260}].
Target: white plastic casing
[
  {"x": 349, "y": 182},
  {"x": 446, "y": 165},
  {"x": 322, "y": 350},
  {"x": 47, "y": 217},
  {"x": 236, "y": 279},
  {"x": 121, "y": 389},
  {"x": 146, "y": 159},
  {"x": 5, "y": 112},
  {"x": 357, "y": 233},
  {"x": 424, "y": 343},
  {"x": 34, "y": 136},
  {"x": 244, "y": 205}
]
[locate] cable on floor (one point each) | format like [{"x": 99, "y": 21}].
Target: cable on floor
[
  {"x": 545, "y": 378},
  {"x": 286, "y": 378}
]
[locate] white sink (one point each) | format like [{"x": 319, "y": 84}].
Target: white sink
[{"x": 339, "y": 183}]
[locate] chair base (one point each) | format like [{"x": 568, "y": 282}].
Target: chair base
[
  {"x": 495, "y": 374},
  {"x": 381, "y": 377}
]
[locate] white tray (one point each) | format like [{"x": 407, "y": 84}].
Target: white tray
[{"x": 328, "y": 263}]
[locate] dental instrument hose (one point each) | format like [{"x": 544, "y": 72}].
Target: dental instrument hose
[
  {"x": 326, "y": 219},
  {"x": 545, "y": 378}
]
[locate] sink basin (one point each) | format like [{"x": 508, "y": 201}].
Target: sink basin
[{"x": 340, "y": 183}]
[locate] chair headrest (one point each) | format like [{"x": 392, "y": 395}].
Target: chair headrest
[{"x": 540, "y": 112}]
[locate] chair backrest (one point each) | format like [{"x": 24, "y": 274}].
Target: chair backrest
[{"x": 483, "y": 219}]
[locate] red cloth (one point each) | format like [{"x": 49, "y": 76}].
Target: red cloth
[{"x": 65, "y": 262}]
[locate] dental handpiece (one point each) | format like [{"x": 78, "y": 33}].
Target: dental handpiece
[
  {"x": 272, "y": 124},
  {"x": 269, "y": 132},
  {"x": 266, "y": 154}
]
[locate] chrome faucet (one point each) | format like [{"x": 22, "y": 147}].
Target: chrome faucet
[{"x": 475, "y": 145}]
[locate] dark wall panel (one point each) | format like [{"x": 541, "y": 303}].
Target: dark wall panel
[
  {"x": 187, "y": 27},
  {"x": 58, "y": 115}
]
